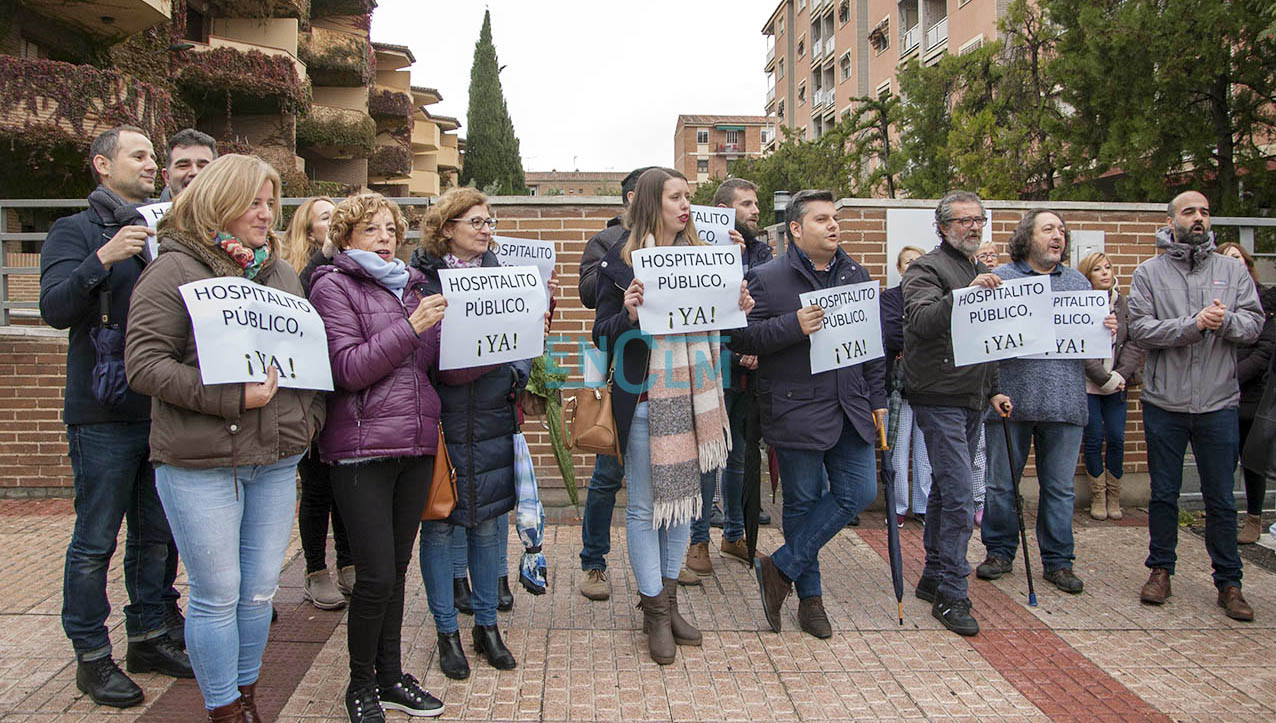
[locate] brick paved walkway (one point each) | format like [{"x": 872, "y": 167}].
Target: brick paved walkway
[{"x": 1096, "y": 656}]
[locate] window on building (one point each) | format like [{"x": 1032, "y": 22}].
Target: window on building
[
  {"x": 779, "y": 26},
  {"x": 779, "y": 68},
  {"x": 884, "y": 90},
  {"x": 702, "y": 135},
  {"x": 779, "y": 110},
  {"x": 801, "y": 46},
  {"x": 844, "y": 12},
  {"x": 845, "y": 65},
  {"x": 196, "y": 25},
  {"x": 971, "y": 45},
  {"x": 733, "y": 137},
  {"x": 32, "y": 50},
  {"x": 801, "y": 5},
  {"x": 880, "y": 36},
  {"x": 802, "y": 93},
  {"x": 702, "y": 165}
]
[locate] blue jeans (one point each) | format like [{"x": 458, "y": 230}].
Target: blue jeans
[
  {"x": 600, "y": 501},
  {"x": 233, "y": 538},
  {"x": 114, "y": 482},
  {"x": 461, "y": 546},
  {"x": 1056, "y": 445},
  {"x": 483, "y": 546},
  {"x": 654, "y": 553},
  {"x": 732, "y": 480},
  {"x": 708, "y": 489},
  {"x": 814, "y": 512},
  {"x": 952, "y": 439},
  {"x": 1107, "y": 423},
  {"x": 1215, "y": 440}
]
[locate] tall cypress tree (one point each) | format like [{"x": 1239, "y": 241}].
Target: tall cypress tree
[{"x": 492, "y": 161}]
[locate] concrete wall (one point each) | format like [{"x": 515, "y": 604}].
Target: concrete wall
[{"x": 32, "y": 360}]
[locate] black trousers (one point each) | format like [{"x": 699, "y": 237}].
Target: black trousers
[
  {"x": 1255, "y": 482},
  {"x": 381, "y": 503},
  {"x": 313, "y": 513}
]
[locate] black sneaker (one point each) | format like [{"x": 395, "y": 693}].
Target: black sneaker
[
  {"x": 364, "y": 706},
  {"x": 993, "y": 568},
  {"x": 955, "y": 615},
  {"x": 927, "y": 588},
  {"x": 106, "y": 684},
  {"x": 1065, "y": 580},
  {"x": 408, "y": 696}
]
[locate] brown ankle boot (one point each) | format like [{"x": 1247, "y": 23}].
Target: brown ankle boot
[
  {"x": 656, "y": 623},
  {"x": 229, "y": 713},
  {"x": 1114, "y": 496},
  {"x": 1098, "y": 498},
  {"x": 1250, "y": 531},
  {"x": 247, "y": 695},
  {"x": 684, "y": 633}
]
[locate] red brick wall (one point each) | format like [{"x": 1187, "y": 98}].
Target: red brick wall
[{"x": 32, "y": 365}]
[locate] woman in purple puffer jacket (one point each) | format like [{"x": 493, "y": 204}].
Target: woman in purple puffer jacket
[{"x": 383, "y": 342}]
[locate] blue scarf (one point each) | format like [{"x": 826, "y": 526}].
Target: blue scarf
[{"x": 392, "y": 274}]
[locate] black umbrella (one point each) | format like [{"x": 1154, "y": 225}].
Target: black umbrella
[
  {"x": 752, "y": 492},
  {"x": 110, "y": 384},
  {"x": 892, "y": 531}
]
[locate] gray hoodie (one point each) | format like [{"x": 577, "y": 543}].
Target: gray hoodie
[{"x": 1189, "y": 370}]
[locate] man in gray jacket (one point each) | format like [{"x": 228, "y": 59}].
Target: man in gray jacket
[{"x": 1190, "y": 308}]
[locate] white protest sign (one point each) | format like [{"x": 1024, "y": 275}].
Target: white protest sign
[
  {"x": 242, "y": 329},
  {"x": 714, "y": 224},
  {"x": 493, "y": 316},
  {"x": 527, "y": 252},
  {"x": 1079, "y": 332},
  {"x": 689, "y": 288},
  {"x": 153, "y": 212},
  {"x": 852, "y": 330},
  {"x": 1011, "y": 320}
]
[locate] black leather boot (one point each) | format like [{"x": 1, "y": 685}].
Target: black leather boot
[
  {"x": 106, "y": 684},
  {"x": 452, "y": 656},
  {"x": 461, "y": 595},
  {"x": 504, "y": 598},
  {"x": 487, "y": 641},
  {"x": 158, "y": 655}
]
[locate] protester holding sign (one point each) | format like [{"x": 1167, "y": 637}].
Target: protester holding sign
[
  {"x": 1107, "y": 382},
  {"x": 479, "y": 421},
  {"x": 382, "y": 434},
  {"x": 226, "y": 454},
  {"x": 682, "y": 435},
  {"x": 818, "y": 422},
  {"x": 1050, "y": 414},
  {"x": 948, "y": 400}
]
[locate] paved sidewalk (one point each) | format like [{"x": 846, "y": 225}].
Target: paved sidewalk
[{"x": 1099, "y": 655}]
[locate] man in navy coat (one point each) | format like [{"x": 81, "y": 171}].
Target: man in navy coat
[{"x": 818, "y": 423}]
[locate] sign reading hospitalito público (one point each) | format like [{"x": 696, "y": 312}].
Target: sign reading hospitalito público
[
  {"x": 689, "y": 288},
  {"x": 494, "y": 315},
  {"x": 1079, "y": 332},
  {"x": 1009, "y": 321},
  {"x": 242, "y": 329},
  {"x": 527, "y": 252},
  {"x": 852, "y": 330},
  {"x": 714, "y": 224}
]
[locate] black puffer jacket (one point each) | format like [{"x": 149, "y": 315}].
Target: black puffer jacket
[
  {"x": 1252, "y": 360},
  {"x": 929, "y": 375},
  {"x": 479, "y": 423}
]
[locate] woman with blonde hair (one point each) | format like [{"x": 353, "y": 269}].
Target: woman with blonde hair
[
  {"x": 306, "y": 233},
  {"x": 1252, "y": 361},
  {"x": 1107, "y": 382},
  {"x": 678, "y": 439},
  {"x": 479, "y": 423},
  {"x": 225, "y": 455}
]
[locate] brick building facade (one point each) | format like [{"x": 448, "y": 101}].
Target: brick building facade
[{"x": 703, "y": 145}]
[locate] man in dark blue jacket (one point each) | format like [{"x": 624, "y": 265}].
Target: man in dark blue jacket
[
  {"x": 740, "y": 397},
  {"x": 816, "y": 422},
  {"x": 88, "y": 265}
]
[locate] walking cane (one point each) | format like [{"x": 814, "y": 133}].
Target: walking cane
[{"x": 1023, "y": 531}]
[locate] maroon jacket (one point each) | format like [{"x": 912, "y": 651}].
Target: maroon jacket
[{"x": 384, "y": 404}]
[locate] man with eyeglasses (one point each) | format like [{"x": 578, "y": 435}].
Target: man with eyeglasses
[{"x": 948, "y": 401}]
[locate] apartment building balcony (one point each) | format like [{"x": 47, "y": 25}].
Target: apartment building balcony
[
  {"x": 389, "y": 163},
  {"x": 336, "y": 58},
  {"x": 819, "y": 5},
  {"x": 110, "y": 18},
  {"x": 729, "y": 148},
  {"x": 770, "y": 94},
  {"x": 391, "y": 108},
  {"x": 260, "y": 8},
  {"x": 770, "y": 59},
  {"x": 937, "y": 34},
  {"x": 280, "y": 157},
  {"x": 424, "y": 183},
  {"x": 336, "y": 133},
  {"x": 330, "y": 8},
  {"x": 48, "y": 102},
  {"x": 256, "y": 79},
  {"x": 909, "y": 40},
  {"x": 448, "y": 157},
  {"x": 425, "y": 135}
]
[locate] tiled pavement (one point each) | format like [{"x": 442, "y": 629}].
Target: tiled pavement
[{"x": 1097, "y": 656}]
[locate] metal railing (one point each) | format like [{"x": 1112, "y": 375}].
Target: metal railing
[
  {"x": 937, "y": 33},
  {"x": 20, "y": 270},
  {"x": 908, "y": 40}
]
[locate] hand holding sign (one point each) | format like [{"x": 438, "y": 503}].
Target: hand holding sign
[
  {"x": 633, "y": 299},
  {"x": 428, "y": 313},
  {"x": 810, "y": 319},
  {"x": 126, "y": 243},
  {"x": 257, "y": 395}
]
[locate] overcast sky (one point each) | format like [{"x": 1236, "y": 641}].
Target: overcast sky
[{"x": 591, "y": 84}]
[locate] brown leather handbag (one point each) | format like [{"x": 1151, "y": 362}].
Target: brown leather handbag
[
  {"x": 441, "y": 500},
  {"x": 588, "y": 424}
]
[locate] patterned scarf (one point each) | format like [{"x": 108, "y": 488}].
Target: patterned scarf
[
  {"x": 689, "y": 430},
  {"x": 249, "y": 259},
  {"x": 455, "y": 263}
]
